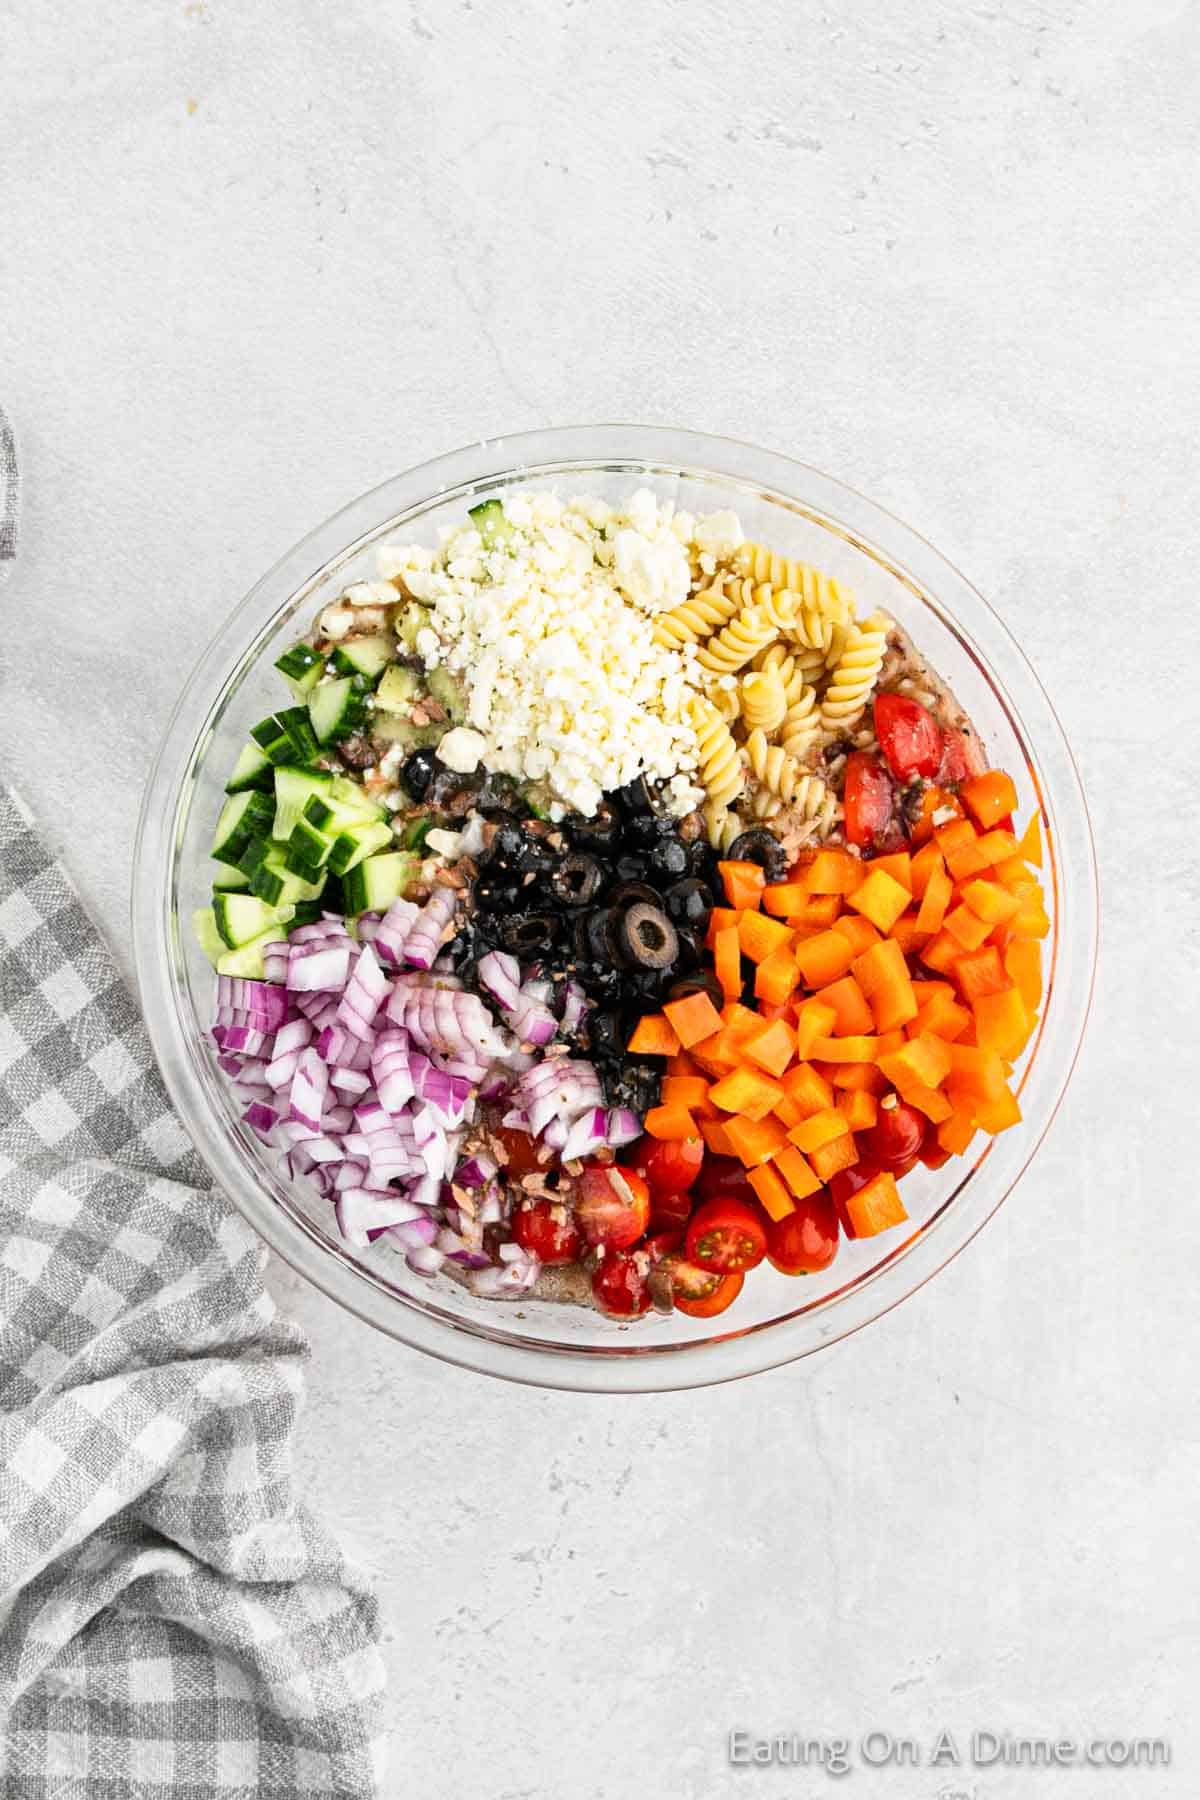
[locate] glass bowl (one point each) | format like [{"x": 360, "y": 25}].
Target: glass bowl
[{"x": 804, "y": 514}]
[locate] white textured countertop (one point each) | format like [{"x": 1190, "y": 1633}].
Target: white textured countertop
[{"x": 257, "y": 256}]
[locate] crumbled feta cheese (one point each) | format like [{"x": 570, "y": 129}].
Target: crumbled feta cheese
[
  {"x": 718, "y": 534},
  {"x": 444, "y": 843},
  {"x": 462, "y": 749}
]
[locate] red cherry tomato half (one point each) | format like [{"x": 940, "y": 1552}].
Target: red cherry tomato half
[
  {"x": 724, "y": 1294},
  {"x": 548, "y": 1229},
  {"x": 867, "y": 798},
  {"x": 688, "y": 1280},
  {"x": 806, "y": 1241},
  {"x": 521, "y": 1154},
  {"x": 956, "y": 762},
  {"x": 661, "y": 1244},
  {"x": 613, "y": 1205},
  {"x": 723, "y": 1175},
  {"x": 896, "y": 1136},
  {"x": 670, "y": 1166},
  {"x": 727, "y": 1234},
  {"x": 908, "y": 735},
  {"x": 619, "y": 1285},
  {"x": 847, "y": 1182},
  {"x": 669, "y": 1212}
]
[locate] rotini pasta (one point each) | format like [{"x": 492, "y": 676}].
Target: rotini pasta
[
  {"x": 721, "y": 774},
  {"x": 764, "y": 700},
  {"x": 854, "y": 675},
  {"x": 722, "y": 826},
  {"x": 759, "y": 564},
  {"x": 728, "y": 702},
  {"x": 772, "y": 767},
  {"x": 697, "y": 618},
  {"x": 778, "y": 604},
  {"x": 813, "y": 802},
  {"x": 800, "y": 732},
  {"x": 742, "y": 639}
]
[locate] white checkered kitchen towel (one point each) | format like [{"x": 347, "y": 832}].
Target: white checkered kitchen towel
[{"x": 173, "y": 1626}]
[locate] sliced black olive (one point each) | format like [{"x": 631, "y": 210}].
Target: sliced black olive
[
  {"x": 637, "y": 796},
  {"x": 606, "y": 1036},
  {"x": 643, "y": 831},
  {"x": 498, "y": 797},
  {"x": 669, "y": 859},
  {"x": 598, "y": 835},
  {"x": 577, "y": 880},
  {"x": 691, "y": 954},
  {"x": 761, "y": 847},
  {"x": 703, "y": 982},
  {"x": 629, "y": 893},
  {"x": 454, "y": 793},
  {"x": 526, "y": 933},
  {"x": 689, "y": 902},
  {"x": 636, "y": 1084},
  {"x": 647, "y": 938},
  {"x": 601, "y": 928},
  {"x": 416, "y": 772},
  {"x": 535, "y": 857},
  {"x": 506, "y": 846},
  {"x": 496, "y": 893},
  {"x": 631, "y": 866}
]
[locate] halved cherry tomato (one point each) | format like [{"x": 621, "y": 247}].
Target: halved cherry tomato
[
  {"x": 806, "y": 1240},
  {"x": 669, "y": 1212},
  {"x": 521, "y": 1152},
  {"x": 662, "y": 1244},
  {"x": 619, "y": 1284},
  {"x": 896, "y": 1136},
  {"x": 724, "y": 1294},
  {"x": 669, "y": 1165},
  {"x": 847, "y": 1182},
  {"x": 723, "y": 1175},
  {"x": 908, "y": 736},
  {"x": 549, "y": 1230},
  {"x": 727, "y": 1234},
  {"x": 688, "y": 1280},
  {"x": 867, "y": 798},
  {"x": 956, "y": 761},
  {"x": 613, "y": 1206}
]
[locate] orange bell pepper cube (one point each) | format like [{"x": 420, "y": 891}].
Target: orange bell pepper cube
[
  {"x": 955, "y": 1133},
  {"x": 991, "y": 901},
  {"x": 717, "y": 1054},
  {"x": 777, "y": 1203},
  {"x": 942, "y": 1015},
  {"x": 923, "y": 864},
  {"x": 807, "y": 1090},
  {"x": 745, "y": 1092},
  {"x": 785, "y": 899},
  {"x": 839, "y": 1153},
  {"x": 941, "y": 952},
  {"x": 727, "y": 962},
  {"x": 822, "y": 1128},
  {"x": 738, "y": 1020},
  {"x": 897, "y": 864},
  {"x": 796, "y": 1171},
  {"x": 1001, "y": 1022},
  {"x": 833, "y": 872},
  {"x": 959, "y": 844},
  {"x": 859, "y": 1109},
  {"x": 1030, "y": 922},
  {"x": 976, "y": 1074},
  {"x": 821, "y": 959},
  {"x": 1029, "y": 848},
  {"x": 654, "y": 1035},
  {"x": 682, "y": 1064},
  {"x": 864, "y": 1076},
  {"x": 881, "y": 898},
  {"x": 939, "y": 891},
  {"x": 743, "y": 883},
  {"x": 760, "y": 937},
  {"x": 814, "y": 1020},
  {"x": 923, "y": 1062},
  {"x": 772, "y": 1048},
  {"x": 990, "y": 797},
  {"x": 1023, "y": 965},
  {"x": 858, "y": 932},
  {"x": 998, "y": 1115},
  {"x": 690, "y": 1091},
  {"x": 721, "y": 918},
  {"x": 857, "y": 1049},
  {"x": 787, "y": 1112},
  {"x": 822, "y": 910},
  {"x": 965, "y": 925},
  {"x": 755, "y": 1141},
  {"x": 849, "y": 1003},
  {"x": 716, "y": 1137},
  {"x": 777, "y": 977},
  {"x": 670, "y": 1123},
  {"x": 904, "y": 933},
  {"x": 876, "y": 1206},
  {"x": 882, "y": 974},
  {"x": 692, "y": 1019},
  {"x": 998, "y": 847},
  {"x": 931, "y": 1101},
  {"x": 981, "y": 972}
]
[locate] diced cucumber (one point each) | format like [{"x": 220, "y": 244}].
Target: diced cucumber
[
  {"x": 492, "y": 524},
  {"x": 307, "y": 849},
  {"x": 377, "y": 881},
  {"x": 242, "y": 817},
  {"x": 240, "y": 917},
  {"x": 417, "y": 830},
  {"x": 278, "y": 885},
  {"x": 254, "y": 855},
  {"x": 305, "y": 911},
  {"x": 351, "y": 845},
  {"x": 251, "y": 770},
  {"x": 335, "y": 709},
  {"x": 302, "y": 667},
  {"x": 389, "y": 728},
  {"x": 448, "y": 694},
  {"x": 204, "y": 925},
  {"x": 275, "y": 741},
  {"x": 247, "y": 959},
  {"x": 296, "y": 723},
  {"x": 398, "y": 689},
  {"x": 345, "y": 804},
  {"x": 365, "y": 656},
  {"x": 414, "y": 618},
  {"x": 294, "y": 788},
  {"x": 230, "y": 880}
]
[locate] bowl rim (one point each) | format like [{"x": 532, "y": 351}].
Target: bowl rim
[{"x": 630, "y": 448}]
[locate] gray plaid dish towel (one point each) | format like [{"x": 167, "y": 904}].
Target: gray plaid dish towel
[{"x": 173, "y": 1625}]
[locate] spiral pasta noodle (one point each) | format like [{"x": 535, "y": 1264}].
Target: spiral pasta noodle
[
  {"x": 697, "y": 618},
  {"x": 759, "y": 564},
  {"x": 722, "y": 826},
  {"x": 854, "y": 674},
  {"x": 772, "y": 767},
  {"x": 800, "y": 732},
  {"x": 764, "y": 700},
  {"x": 740, "y": 641},
  {"x": 813, "y": 802},
  {"x": 728, "y": 702},
  {"x": 720, "y": 767}
]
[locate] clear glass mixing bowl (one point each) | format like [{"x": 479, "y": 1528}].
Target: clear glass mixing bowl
[{"x": 805, "y": 514}]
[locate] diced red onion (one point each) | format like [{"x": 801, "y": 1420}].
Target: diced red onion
[
  {"x": 418, "y": 1231},
  {"x": 425, "y": 1260},
  {"x": 324, "y": 970},
  {"x": 310, "y": 1083},
  {"x": 260, "y": 1119},
  {"x": 478, "y": 1169},
  {"x": 500, "y": 976},
  {"x": 622, "y": 1127},
  {"x": 349, "y": 1081},
  {"x": 424, "y": 940},
  {"x": 586, "y": 1135}
]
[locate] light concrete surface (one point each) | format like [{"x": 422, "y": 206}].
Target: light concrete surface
[{"x": 256, "y": 255}]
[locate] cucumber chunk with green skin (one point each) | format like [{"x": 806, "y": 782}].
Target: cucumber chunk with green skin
[
  {"x": 335, "y": 710},
  {"x": 253, "y": 769},
  {"x": 389, "y": 728},
  {"x": 492, "y": 524},
  {"x": 356, "y": 842},
  {"x": 295, "y": 721},
  {"x": 243, "y": 817},
  {"x": 230, "y": 880},
  {"x": 204, "y": 925},
  {"x": 307, "y": 849},
  {"x": 417, "y": 830},
  {"x": 448, "y": 694},
  {"x": 377, "y": 881},
  {"x": 414, "y": 618},
  {"x": 278, "y": 885},
  {"x": 247, "y": 960},
  {"x": 346, "y": 804},
  {"x": 240, "y": 917},
  {"x": 302, "y": 667},
  {"x": 294, "y": 788},
  {"x": 398, "y": 689},
  {"x": 276, "y": 742},
  {"x": 365, "y": 656}
]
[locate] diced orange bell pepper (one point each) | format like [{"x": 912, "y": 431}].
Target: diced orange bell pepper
[
  {"x": 653, "y": 1035},
  {"x": 882, "y": 974},
  {"x": 1023, "y": 965},
  {"x": 721, "y": 918},
  {"x": 1030, "y": 922},
  {"x": 807, "y": 1090},
  {"x": 998, "y": 1115},
  {"x": 833, "y": 872},
  {"x": 777, "y": 978},
  {"x": 866, "y": 1077},
  {"x": 814, "y": 1020},
  {"x": 858, "y": 1108},
  {"x": 822, "y": 1128},
  {"x": 876, "y": 1206},
  {"x": 760, "y": 937},
  {"x": 943, "y": 1016},
  {"x": 727, "y": 962},
  {"x": 1001, "y": 1022},
  {"x": 959, "y": 844},
  {"x": 858, "y": 932},
  {"x": 922, "y": 1062},
  {"x": 897, "y": 864},
  {"x": 975, "y": 1073},
  {"x": 670, "y": 1123},
  {"x": 692, "y": 1019},
  {"x": 743, "y": 883},
  {"x": 931, "y": 1101},
  {"x": 904, "y": 933},
  {"x": 787, "y": 1112},
  {"x": 965, "y": 925},
  {"x": 717, "y": 1054},
  {"x": 838, "y": 1153},
  {"x": 795, "y": 1170},
  {"x": 785, "y": 899},
  {"x": 981, "y": 972},
  {"x": 822, "y": 910},
  {"x": 955, "y": 1133},
  {"x": 990, "y": 797},
  {"x": 850, "y": 1007},
  {"x": 739, "y": 1021},
  {"x": 939, "y": 891},
  {"x": 746, "y": 1092},
  {"x": 755, "y": 1141},
  {"x": 690, "y": 1091},
  {"x": 991, "y": 901},
  {"x": 768, "y": 1184},
  {"x": 923, "y": 864},
  {"x": 933, "y": 801},
  {"x": 998, "y": 847},
  {"x": 772, "y": 1048},
  {"x": 941, "y": 952},
  {"x": 716, "y": 1137},
  {"x": 1030, "y": 847},
  {"x": 881, "y": 898},
  {"x": 857, "y": 1049},
  {"x": 823, "y": 958}
]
